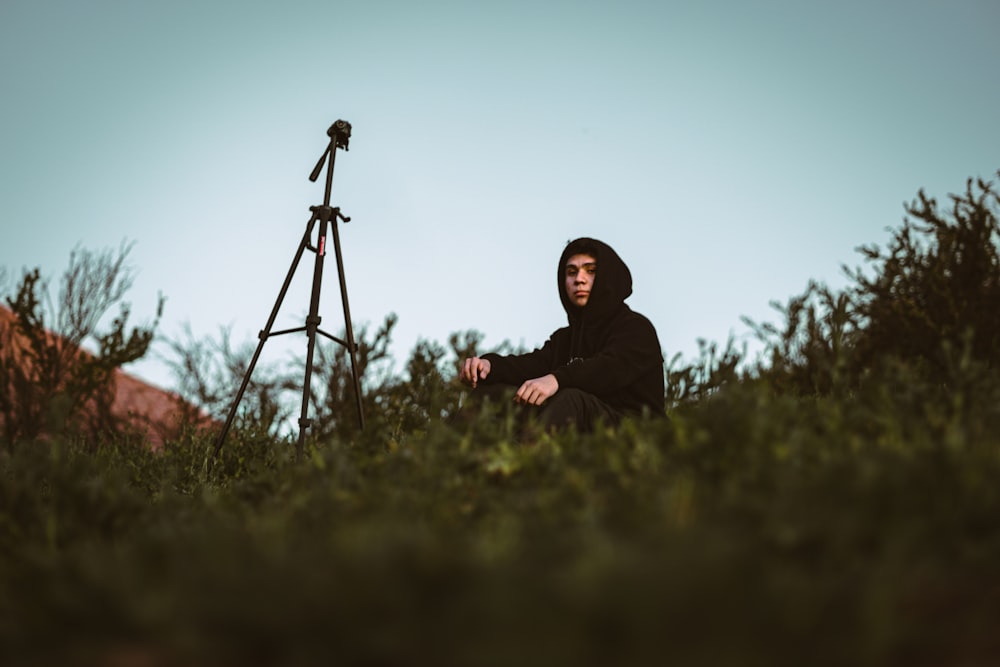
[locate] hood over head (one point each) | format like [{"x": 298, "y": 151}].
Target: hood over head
[{"x": 612, "y": 283}]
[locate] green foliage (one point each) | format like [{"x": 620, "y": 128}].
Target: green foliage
[
  {"x": 937, "y": 286},
  {"x": 430, "y": 390},
  {"x": 714, "y": 368},
  {"x": 812, "y": 353},
  {"x": 208, "y": 373},
  {"x": 48, "y": 384},
  {"x": 751, "y": 528},
  {"x": 334, "y": 399},
  {"x": 928, "y": 301}
]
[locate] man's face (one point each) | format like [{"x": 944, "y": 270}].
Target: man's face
[{"x": 580, "y": 273}]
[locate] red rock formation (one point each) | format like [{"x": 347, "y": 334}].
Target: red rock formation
[{"x": 144, "y": 409}]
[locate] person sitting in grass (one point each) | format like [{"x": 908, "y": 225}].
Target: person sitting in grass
[{"x": 605, "y": 365}]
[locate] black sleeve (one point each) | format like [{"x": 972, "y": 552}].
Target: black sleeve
[
  {"x": 516, "y": 368},
  {"x": 631, "y": 350}
]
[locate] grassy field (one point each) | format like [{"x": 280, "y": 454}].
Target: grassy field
[{"x": 746, "y": 529}]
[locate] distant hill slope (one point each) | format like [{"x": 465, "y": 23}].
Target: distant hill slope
[{"x": 142, "y": 408}]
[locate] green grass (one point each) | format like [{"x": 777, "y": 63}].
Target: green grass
[{"x": 748, "y": 529}]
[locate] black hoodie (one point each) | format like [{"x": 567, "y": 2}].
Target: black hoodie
[{"x": 607, "y": 350}]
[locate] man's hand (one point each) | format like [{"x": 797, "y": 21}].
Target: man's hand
[
  {"x": 474, "y": 370},
  {"x": 537, "y": 391}
]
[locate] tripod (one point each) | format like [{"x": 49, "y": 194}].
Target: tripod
[{"x": 340, "y": 134}]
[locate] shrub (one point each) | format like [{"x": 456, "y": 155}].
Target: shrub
[
  {"x": 48, "y": 383},
  {"x": 928, "y": 301}
]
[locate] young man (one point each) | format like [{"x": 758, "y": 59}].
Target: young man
[{"x": 605, "y": 365}]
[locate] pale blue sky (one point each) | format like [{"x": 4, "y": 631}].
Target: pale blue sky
[{"x": 730, "y": 151}]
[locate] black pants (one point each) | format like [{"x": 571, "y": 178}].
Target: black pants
[{"x": 566, "y": 408}]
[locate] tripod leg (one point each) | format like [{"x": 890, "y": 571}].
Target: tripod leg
[
  {"x": 263, "y": 336},
  {"x": 348, "y": 328},
  {"x": 312, "y": 323}
]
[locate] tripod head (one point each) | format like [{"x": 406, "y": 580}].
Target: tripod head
[
  {"x": 340, "y": 132},
  {"x": 340, "y": 137}
]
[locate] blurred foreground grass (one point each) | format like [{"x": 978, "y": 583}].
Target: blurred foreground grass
[{"x": 747, "y": 529}]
